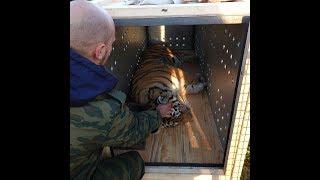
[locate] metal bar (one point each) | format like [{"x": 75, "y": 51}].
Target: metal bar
[{"x": 202, "y": 20}]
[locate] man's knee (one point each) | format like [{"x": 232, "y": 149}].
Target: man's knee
[
  {"x": 135, "y": 157},
  {"x": 138, "y": 165},
  {"x": 128, "y": 165}
]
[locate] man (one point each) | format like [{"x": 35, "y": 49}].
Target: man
[{"x": 98, "y": 114}]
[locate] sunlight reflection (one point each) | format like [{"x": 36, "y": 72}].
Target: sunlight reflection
[
  {"x": 162, "y": 33},
  {"x": 203, "y": 177},
  {"x": 174, "y": 79},
  {"x": 193, "y": 140}
]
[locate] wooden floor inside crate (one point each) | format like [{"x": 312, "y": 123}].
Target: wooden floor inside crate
[{"x": 195, "y": 141}]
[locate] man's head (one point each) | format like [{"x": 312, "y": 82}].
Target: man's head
[{"x": 92, "y": 31}]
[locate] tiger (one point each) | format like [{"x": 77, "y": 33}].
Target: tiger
[{"x": 156, "y": 82}]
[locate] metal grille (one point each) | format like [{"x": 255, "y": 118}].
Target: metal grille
[
  {"x": 125, "y": 56},
  {"x": 175, "y": 37},
  {"x": 241, "y": 129},
  {"x": 240, "y": 132},
  {"x": 220, "y": 48}
]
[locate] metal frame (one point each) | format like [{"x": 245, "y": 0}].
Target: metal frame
[
  {"x": 121, "y": 11},
  {"x": 207, "y": 13}
]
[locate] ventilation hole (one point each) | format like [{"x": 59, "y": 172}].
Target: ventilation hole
[
  {"x": 224, "y": 46},
  {"x": 121, "y": 37},
  {"x": 177, "y": 38},
  {"x": 225, "y": 31},
  {"x": 218, "y": 90},
  {"x": 235, "y": 63},
  {"x": 115, "y": 62},
  {"x": 183, "y": 45},
  {"x": 225, "y": 127},
  {"x": 170, "y": 45},
  {"x": 217, "y": 120},
  {"x": 232, "y": 81},
  {"x": 170, "y": 38},
  {"x": 112, "y": 48},
  {"x": 219, "y": 109},
  {"x": 127, "y": 75},
  {"x": 229, "y": 34},
  {"x": 137, "y": 64},
  {"x": 126, "y": 46},
  {"x": 225, "y": 66},
  {"x": 209, "y": 93},
  {"x": 222, "y": 117},
  {"x": 227, "y": 51},
  {"x": 221, "y": 61},
  {"x": 223, "y": 139},
  {"x": 224, "y": 105},
  {"x": 163, "y": 45},
  {"x": 220, "y": 129},
  {"x": 227, "y": 114},
  {"x": 231, "y": 56},
  {"x": 220, "y": 97},
  {"x": 124, "y": 49},
  {"x": 177, "y": 45},
  {"x": 217, "y": 102},
  {"x": 233, "y": 39},
  {"x": 238, "y": 44},
  {"x": 229, "y": 72},
  {"x": 111, "y": 68},
  {"x": 183, "y": 38}
]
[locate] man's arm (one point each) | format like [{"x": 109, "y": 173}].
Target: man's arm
[
  {"x": 109, "y": 123},
  {"x": 105, "y": 123}
]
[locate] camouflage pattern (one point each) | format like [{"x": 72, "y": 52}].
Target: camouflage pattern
[
  {"x": 107, "y": 122},
  {"x": 129, "y": 165}
]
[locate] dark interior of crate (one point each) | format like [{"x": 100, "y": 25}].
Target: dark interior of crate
[{"x": 218, "y": 50}]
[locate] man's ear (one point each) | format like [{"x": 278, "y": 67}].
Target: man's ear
[{"x": 100, "y": 53}]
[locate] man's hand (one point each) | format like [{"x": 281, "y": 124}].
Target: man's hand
[{"x": 165, "y": 110}]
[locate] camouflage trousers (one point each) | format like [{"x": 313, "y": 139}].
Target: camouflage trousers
[
  {"x": 108, "y": 122},
  {"x": 129, "y": 165}
]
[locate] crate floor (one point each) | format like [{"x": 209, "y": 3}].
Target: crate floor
[{"x": 195, "y": 141}]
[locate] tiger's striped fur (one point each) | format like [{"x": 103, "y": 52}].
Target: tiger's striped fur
[{"x": 156, "y": 81}]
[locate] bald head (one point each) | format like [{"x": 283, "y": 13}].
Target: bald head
[{"x": 90, "y": 26}]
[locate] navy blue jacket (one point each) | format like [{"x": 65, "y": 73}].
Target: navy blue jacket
[{"x": 87, "y": 80}]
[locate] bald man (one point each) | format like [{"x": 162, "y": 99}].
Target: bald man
[{"x": 99, "y": 116}]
